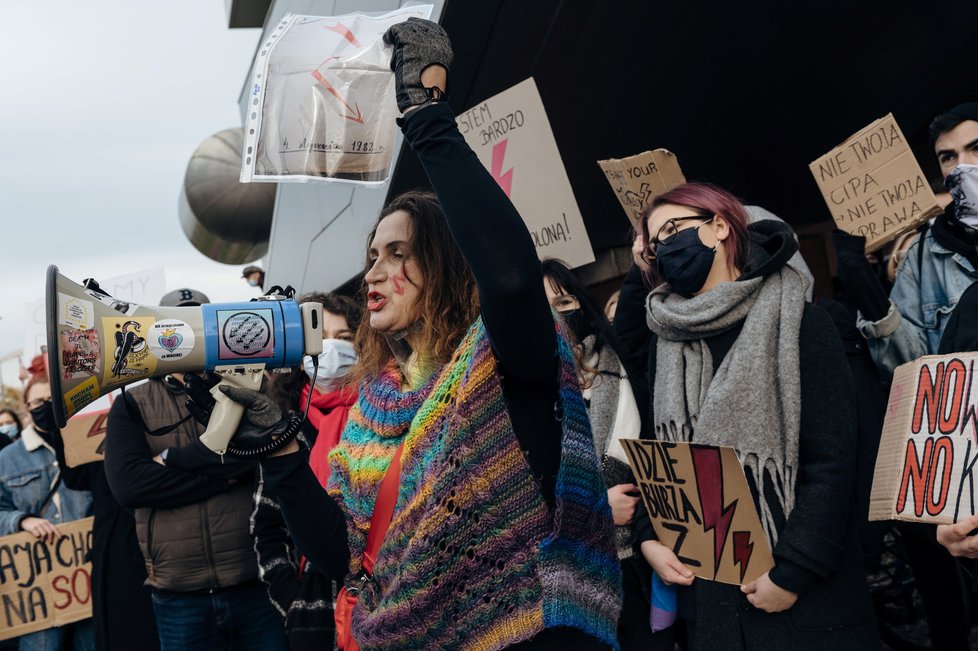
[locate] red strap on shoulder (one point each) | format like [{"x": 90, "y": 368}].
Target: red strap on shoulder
[{"x": 383, "y": 510}]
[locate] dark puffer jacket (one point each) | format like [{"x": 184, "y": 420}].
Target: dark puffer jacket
[{"x": 192, "y": 530}]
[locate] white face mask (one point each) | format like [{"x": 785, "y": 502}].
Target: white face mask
[
  {"x": 335, "y": 362},
  {"x": 10, "y": 429},
  {"x": 962, "y": 183}
]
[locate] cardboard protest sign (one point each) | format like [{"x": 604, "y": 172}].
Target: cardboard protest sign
[
  {"x": 84, "y": 437},
  {"x": 874, "y": 186},
  {"x": 43, "y": 584},
  {"x": 511, "y": 135},
  {"x": 925, "y": 469},
  {"x": 638, "y": 179},
  {"x": 321, "y": 101},
  {"x": 701, "y": 507}
]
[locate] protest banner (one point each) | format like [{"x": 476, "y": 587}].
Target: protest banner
[
  {"x": 321, "y": 100},
  {"x": 925, "y": 468},
  {"x": 511, "y": 135},
  {"x": 44, "y": 584},
  {"x": 701, "y": 508},
  {"x": 873, "y": 185},
  {"x": 638, "y": 179},
  {"x": 84, "y": 436}
]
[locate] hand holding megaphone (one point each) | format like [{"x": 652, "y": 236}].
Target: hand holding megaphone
[
  {"x": 97, "y": 343},
  {"x": 262, "y": 423}
]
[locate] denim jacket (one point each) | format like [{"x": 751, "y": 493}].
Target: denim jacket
[
  {"x": 28, "y": 469},
  {"x": 926, "y": 290}
]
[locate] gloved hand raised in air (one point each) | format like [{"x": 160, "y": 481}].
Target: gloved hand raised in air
[{"x": 418, "y": 44}]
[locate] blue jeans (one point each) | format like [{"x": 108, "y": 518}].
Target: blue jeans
[
  {"x": 240, "y": 618},
  {"x": 77, "y": 636}
]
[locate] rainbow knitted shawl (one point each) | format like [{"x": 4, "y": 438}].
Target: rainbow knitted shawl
[{"x": 473, "y": 558}]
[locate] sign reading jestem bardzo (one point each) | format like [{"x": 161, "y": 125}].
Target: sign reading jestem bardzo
[{"x": 511, "y": 135}]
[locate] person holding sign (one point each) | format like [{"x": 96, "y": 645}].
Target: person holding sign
[
  {"x": 34, "y": 499},
  {"x": 465, "y": 505},
  {"x": 736, "y": 357},
  {"x": 941, "y": 264}
]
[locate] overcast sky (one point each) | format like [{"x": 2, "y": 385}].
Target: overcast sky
[{"x": 102, "y": 105}]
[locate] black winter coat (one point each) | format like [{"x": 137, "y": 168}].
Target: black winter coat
[{"x": 817, "y": 555}]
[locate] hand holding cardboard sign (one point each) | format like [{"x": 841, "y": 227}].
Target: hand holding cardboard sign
[
  {"x": 766, "y": 595},
  {"x": 40, "y": 528},
  {"x": 666, "y": 564},
  {"x": 623, "y": 499},
  {"x": 959, "y": 538}
]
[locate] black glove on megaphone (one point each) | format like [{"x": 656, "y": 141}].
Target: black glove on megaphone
[
  {"x": 263, "y": 421},
  {"x": 417, "y": 44},
  {"x": 200, "y": 401}
]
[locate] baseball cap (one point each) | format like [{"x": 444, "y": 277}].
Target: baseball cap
[{"x": 184, "y": 297}]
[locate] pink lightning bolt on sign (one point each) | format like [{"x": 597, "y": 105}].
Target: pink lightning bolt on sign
[{"x": 505, "y": 181}]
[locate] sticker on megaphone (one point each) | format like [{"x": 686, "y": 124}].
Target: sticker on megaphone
[{"x": 97, "y": 344}]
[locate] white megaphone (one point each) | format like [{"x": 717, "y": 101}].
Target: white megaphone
[{"x": 97, "y": 344}]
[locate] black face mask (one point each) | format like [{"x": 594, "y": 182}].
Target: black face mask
[
  {"x": 575, "y": 321},
  {"x": 685, "y": 262},
  {"x": 43, "y": 418}
]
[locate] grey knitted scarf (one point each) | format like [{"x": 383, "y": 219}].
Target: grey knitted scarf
[
  {"x": 753, "y": 402},
  {"x": 603, "y": 403}
]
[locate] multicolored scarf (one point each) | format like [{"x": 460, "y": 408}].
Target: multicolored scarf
[{"x": 473, "y": 558}]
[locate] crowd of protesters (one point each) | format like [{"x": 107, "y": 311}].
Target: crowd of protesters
[{"x": 459, "y": 480}]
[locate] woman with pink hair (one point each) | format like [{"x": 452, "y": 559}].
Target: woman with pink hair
[{"x": 736, "y": 357}]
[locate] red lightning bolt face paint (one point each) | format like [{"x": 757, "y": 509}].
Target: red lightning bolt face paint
[
  {"x": 393, "y": 293},
  {"x": 398, "y": 279}
]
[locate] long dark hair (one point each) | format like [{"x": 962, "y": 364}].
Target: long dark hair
[
  {"x": 286, "y": 388},
  {"x": 562, "y": 279},
  {"x": 449, "y": 298}
]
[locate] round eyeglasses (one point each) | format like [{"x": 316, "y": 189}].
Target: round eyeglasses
[{"x": 667, "y": 232}]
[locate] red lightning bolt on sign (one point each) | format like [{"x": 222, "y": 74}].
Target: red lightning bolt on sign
[
  {"x": 709, "y": 483},
  {"x": 355, "y": 114},
  {"x": 99, "y": 426},
  {"x": 345, "y": 32},
  {"x": 742, "y": 550},
  {"x": 505, "y": 181}
]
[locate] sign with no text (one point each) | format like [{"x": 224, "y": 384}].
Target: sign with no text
[
  {"x": 874, "y": 186},
  {"x": 701, "y": 508},
  {"x": 44, "y": 584},
  {"x": 511, "y": 135},
  {"x": 925, "y": 468},
  {"x": 638, "y": 179}
]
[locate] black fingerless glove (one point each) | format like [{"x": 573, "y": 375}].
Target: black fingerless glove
[
  {"x": 418, "y": 44},
  {"x": 264, "y": 428}
]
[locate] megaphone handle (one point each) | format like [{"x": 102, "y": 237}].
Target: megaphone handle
[{"x": 226, "y": 414}]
